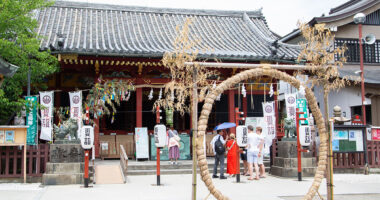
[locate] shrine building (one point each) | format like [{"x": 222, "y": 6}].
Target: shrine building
[{"x": 128, "y": 42}]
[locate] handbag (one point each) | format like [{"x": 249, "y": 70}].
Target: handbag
[{"x": 176, "y": 137}]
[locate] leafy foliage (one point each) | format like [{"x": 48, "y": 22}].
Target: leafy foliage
[{"x": 19, "y": 45}]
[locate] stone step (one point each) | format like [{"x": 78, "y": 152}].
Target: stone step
[
  {"x": 166, "y": 165},
  {"x": 66, "y": 168},
  {"x": 174, "y": 171}
]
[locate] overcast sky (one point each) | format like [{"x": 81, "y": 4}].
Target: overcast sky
[{"x": 281, "y": 15}]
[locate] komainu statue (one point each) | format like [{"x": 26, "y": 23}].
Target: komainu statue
[
  {"x": 69, "y": 126},
  {"x": 289, "y": 127}
]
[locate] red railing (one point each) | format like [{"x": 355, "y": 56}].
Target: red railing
[
  {"x": 12, "y": 160},
  {"x": 373, "y": 153},
  {"x": 356, "y": 160}
]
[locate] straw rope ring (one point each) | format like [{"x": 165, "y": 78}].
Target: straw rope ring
[{"x": 243, "y": 76}]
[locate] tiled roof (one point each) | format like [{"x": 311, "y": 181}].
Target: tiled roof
[
  {"x": 346, "y": 10},
  {"x": 97, "y": 29}
]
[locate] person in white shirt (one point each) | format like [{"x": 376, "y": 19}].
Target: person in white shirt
[
  {"x": 254, "y": 152},
  {"x": 219, "y": 158}
]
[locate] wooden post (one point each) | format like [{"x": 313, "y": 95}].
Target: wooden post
[
  {"x": 25, "y": 162},
  {"x": 158, "y": 166},
  {"x": 139, "y": 107},
  {"x": 330, "y": 189},
  {"x": 194, "y": 120},
  {"x": 231, "y": 108}
]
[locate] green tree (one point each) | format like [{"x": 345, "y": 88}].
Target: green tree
[{"x": 20, "y": 45}]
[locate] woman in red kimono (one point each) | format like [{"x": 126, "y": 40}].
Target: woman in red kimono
[{"x": 232, "y": 148}]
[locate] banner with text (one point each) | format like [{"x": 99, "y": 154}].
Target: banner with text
[
  {"x": 76, "y": 108},
  {"x": 47, "y": 105},
  {"x": 270, "y": 119},
  {"x": 31, "y": 120},
  {"x": 291, "y": 103}
]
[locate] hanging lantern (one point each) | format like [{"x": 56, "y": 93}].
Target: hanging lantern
[
  {"x": 160, "y": 94},
  {"x": 243, "y": 91},
  {"x": 150, "y": 96},
  {"x": 271, "y": 92},
  {"x": 172, "y": 95},
  {"x": 301, "y": 90}
]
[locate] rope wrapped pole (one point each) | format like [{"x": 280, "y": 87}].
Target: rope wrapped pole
[{"x": 243, "y": 76}]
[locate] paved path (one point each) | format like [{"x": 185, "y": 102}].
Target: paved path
[{"x": 178, "y": 187}]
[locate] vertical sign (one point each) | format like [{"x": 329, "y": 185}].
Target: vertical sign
[
  {"x": 46, "y": 101},
  {"x": 31, "y": 120},
  {"x": 291, "y": 106},
  {"x": 76, "y": 108},
  {"x": 302, "y": 107},
  {"x": 87, "y": 137},
  {"x": 142, "y": 143},
  {"x": 270, "y": 119}
]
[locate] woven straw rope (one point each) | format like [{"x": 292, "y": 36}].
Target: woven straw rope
[{"x": 229, "y": 83}]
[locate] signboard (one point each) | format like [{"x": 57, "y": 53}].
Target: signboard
[
  {"x": 184, "y": 149},
  {"x": 87, "y": 137},
  {"x": 160, "y": 136},
  {"x": 31, "y": 119},
  {"x": 348, "y": 139},
  {"x": 242, "y": 136},
  {"x": 142, "y": 143},
  {"x": 76, "y": 108},
  {"x": 305, "y": 135},
  {"x": 46, "y": 101},
  {"x": 376, "y": 133},
  {"x": 290, "y": 101},
  {"x": 302, "y": 107}
]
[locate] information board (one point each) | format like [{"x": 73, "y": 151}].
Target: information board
[
  {"x": 142, "y": 143},
  {"x": 348, "y": 140},
  {"x": 184, "y": 150}
]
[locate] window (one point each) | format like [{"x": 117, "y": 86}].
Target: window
[
  {"x": 357, "y": 110},
  {"x": 370, "y": 52}
]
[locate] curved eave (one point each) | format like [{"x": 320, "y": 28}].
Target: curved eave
[
  {"x": 229, "y": 58},
  {"x": 328, "y": 19}
]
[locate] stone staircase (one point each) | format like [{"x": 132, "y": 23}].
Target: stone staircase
[
  {"x": 65, "y": 173},
  {"x": 184, "y": 167}
]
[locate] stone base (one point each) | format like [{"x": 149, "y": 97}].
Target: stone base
[
  {"x": 65, "y": 174},
  {"x": 293, "y": 162},
  {"x": 67, "y": 142},
  {"x": 66, "y": 153},
  {"x": 286, "y": 163},
  {"x": 293, "y": 172}
]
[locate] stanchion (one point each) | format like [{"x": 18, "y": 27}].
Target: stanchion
[
  {"x": 299, "y": 149},
  {"x": 86, "y": 163},
  {"x": 158, "y": 166},
  {"x": 238, "y": 166}
]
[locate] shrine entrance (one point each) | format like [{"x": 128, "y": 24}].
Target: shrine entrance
[{"x": 243, "y": 76}]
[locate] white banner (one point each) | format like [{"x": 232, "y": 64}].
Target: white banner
[
  {"x": 47, "y": 105},
  {"x": 142, "y": 143},
  {"x": 76, "y": 108},
  {"x": 270, "y": 119},
  {"x": 291, "y": 104}
]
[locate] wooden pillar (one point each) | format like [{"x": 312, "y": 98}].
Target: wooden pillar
[
  {"x": 96, "y": 121},
  {"x": 139, "y": 107},
  {"x": 276, "y": 106},
  {"x": 245, "y": 106},
  {"x": 231, "y": 109}
]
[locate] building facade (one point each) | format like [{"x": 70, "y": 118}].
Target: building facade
[
  {"x": 125, "y": 42},
  {"x": 340, "y": 22}
]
